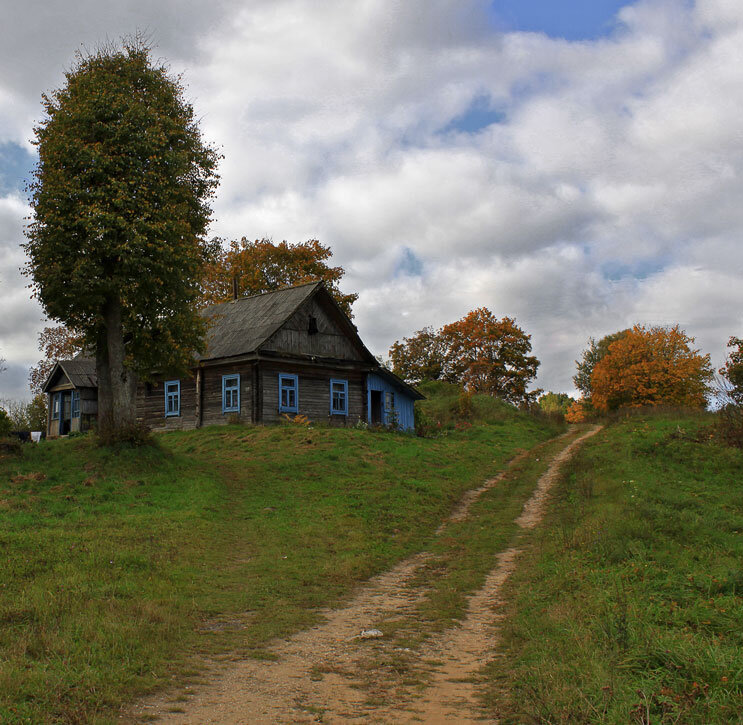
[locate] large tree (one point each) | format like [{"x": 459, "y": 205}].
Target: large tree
[
  {"x": 651, "y": 366},
  {"x": 590, "y": 357},
  {"x": 263, "y": 266},
  {"x": 491, "y": 356},
  {"x": 481, "y": 352},
  {"x": 121, "y": 201},
  {"x": 420, "y": 357}
]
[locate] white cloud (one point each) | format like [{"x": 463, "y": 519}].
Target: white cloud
[{"x": 608, "y": 193}]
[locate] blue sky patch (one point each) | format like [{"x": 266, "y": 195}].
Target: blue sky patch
[
  {"x": 572, "y": 20},
  {"x": 409, "y": 264},
  {"x": 16, "y": 164},
  {"x": 640, "y": 269},
  {"x": 479, "y": 115}
]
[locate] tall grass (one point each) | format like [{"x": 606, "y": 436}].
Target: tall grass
[{"x": 629, "y": 605}]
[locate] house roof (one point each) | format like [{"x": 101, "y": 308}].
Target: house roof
[
  {"x": 412, "y": 392},
  {"x": 243, "y": 325},
  {"x": 80, "y": 371}
]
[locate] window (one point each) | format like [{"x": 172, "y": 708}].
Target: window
[
  {"x": 230, "y": 393},
  {"x": 288, "y": 394},
  {"x": 312, "y": 326},
  {"x": 339, "y": 397},
  {"x": 75, "y": 403},
  {"x": 172, "y": 398},
  {"x": 55, "y": 405}
]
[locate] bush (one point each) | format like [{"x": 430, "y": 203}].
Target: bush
[
  {"x": 132, "y": 436},
  {"x": 729, "y": 425},
  {"x": 6, "y": 424},
  {"x": 10, "y": 446}
]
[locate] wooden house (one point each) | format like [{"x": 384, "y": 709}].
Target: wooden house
[{"x": 284, "y": 353}]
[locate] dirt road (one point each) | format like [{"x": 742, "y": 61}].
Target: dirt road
[{"x": 327, "y": 673}]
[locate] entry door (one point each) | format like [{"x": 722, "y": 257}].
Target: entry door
[
  {"x": 375, "y": 407},
  {"x": 65, "y": 414}
]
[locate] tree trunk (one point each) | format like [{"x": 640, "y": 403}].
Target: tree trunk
[
  {"x": 117, "y": 384},
  {"x": 105, "y": 403}
]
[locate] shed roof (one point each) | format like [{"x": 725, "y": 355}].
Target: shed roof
[{"x": 80, "y": 371}]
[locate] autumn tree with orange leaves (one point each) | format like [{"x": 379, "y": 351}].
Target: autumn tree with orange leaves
[
  {"x": 481, "y": 352},
  {"x": 263, "y": 266},
  {"x": 651, "y": 366}
]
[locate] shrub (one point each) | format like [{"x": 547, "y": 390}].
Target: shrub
[
  {"x": 577, "y": 412},
  {"x": 132, "y": 436},
  {"x": 6, "y": 424},
  {"x": 10, "y": 446}
]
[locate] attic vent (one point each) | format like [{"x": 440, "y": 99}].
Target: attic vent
[{"x": 312, "y": 328}]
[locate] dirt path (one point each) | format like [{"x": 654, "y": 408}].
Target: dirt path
[{"x": 327, "y": 673}]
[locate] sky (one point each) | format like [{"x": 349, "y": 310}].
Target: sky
[{"x": 577, "y": 166}]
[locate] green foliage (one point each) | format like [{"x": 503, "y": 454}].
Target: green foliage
[
  {"x": 732, "y": 371},
  {"x": 120, "y": 200},
  {"x": 593, "y": 354},
  {"x": 10, "y": 446},
  {"x": 119, "y": 561},
  {"x": 6, "y": 424},
  {"x": 36, "y": 412},
  {"x": 449, "y": 407},
  {"x": 555, "y": 403},
  {"x": 629, "y": 606},
  {"x": 729, "y": 426},
  {"x": 132, "y": 436},
  {"x": 420, "y": 357}
]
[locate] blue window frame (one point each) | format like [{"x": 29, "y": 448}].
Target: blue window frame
[
  {"x": 75, "y": 404},
  {"x": 230, "y": 393},
  {"x": 339, "y": 397},
  {"x": 172, "y": 398},
  {"x": 56, "y": 397},
  {"x": 288, "y": 393}
]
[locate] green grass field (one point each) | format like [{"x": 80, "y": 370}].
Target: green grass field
[
  {"x": 121, "y": 568},
  {"x": 628, "y": 606}
]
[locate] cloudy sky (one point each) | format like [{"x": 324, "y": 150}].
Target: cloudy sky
[{"x": 575, "y": 165}]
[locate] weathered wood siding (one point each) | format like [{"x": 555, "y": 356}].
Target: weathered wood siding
[
  {"x": 403, "y": 403},
  {"x": 151, "y": 405},
  {"x": 151, "y": 399},
  {"x": 330, "y": 341},
  {"x": 313, "y": 393},
  {"x": 211, "y": 400}
]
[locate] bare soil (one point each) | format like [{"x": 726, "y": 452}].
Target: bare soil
[{"x": 331, "y": 674}]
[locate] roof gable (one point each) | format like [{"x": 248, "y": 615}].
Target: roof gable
[
  {"x": 241, "y": 326},
  {"x": 250, "y": 324},
  {"x": 80, "y": 372}
]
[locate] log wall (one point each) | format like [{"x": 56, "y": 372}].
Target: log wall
[{"x": 313, "y": 393}]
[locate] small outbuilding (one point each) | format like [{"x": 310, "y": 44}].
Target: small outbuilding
[
  {"x": 72, "y": 387},
  {"x": 285, "y": 353}
]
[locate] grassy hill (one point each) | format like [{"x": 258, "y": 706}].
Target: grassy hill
[
  {"x": 629, "y": 606},
  {"x": 120, "y": 566}
]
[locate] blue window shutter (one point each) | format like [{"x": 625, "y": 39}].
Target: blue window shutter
[
  {"x": 288, "y": 393},
  {"x": 231, "y": 393},
  {"x": 172, "y": 398},
  {"x": 338, "y": 397}
]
